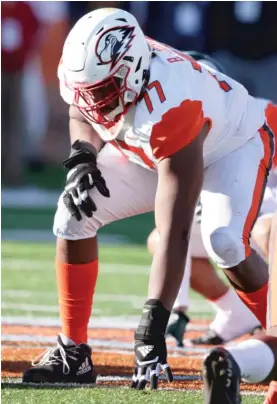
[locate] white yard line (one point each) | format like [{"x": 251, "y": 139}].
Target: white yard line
[
  {"x": 117, "y": 322},
  {"x": 30, "y": 307},
  {"x": 134, "y": 301},
  {"x": 39, "y": 308},
  {"x": 21, "y": 264},
  {"x": 101, "y": 297},
  {"x": 128, "y": 347}
]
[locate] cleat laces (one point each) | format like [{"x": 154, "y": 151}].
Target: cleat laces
[{"x": 49, "y": 357}]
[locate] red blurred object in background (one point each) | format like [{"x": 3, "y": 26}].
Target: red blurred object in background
[{"x": 19, "y": 28}]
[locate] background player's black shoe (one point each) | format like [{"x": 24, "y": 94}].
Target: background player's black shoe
[
  {"x": 209, "y": 338},
  {"x": 221, "y": 377},
  {"x": 62, "y": 364},
  {"x": 178, "y": 327}
]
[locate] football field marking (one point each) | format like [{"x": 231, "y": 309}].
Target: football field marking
[
  {"x": 117, "y": 322},
  {"x": 135, "y": 301},
  {"x": 111, "y": 346},
  {"x": 19, "y": 264}
]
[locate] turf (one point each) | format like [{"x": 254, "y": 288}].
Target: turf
[
  {"x": 29, "y": 281},
  {"x": 104, "y": 396},
  {"x": 29, "y": 289}
]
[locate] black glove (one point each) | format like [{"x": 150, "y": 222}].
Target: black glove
[
  {"x": 150, "y": 346},
  {"x": 150, "y": 359},
  {"x": 82, "y": 176}
]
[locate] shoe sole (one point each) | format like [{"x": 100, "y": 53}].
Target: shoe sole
[
  {"x": 215, "y": 392},
  {"x": 208, "y": 342},
  {"x": 59, "y": 384}
]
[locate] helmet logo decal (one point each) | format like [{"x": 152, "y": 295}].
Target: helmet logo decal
[{"x": 113, "y": 45}]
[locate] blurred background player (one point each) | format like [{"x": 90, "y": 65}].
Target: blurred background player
[
  {"x": 261, "y": 231},
  {"x": 253, "y": 360}
]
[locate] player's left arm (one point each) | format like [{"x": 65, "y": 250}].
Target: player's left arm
[{"x": 180, "y": 177}]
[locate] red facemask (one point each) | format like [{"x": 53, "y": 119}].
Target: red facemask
[{"x": 97, "y": 101}]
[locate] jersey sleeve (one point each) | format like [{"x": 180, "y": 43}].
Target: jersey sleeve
[
  {"x": 66, "y": 93},
  {"x": 178, "y": 127}
]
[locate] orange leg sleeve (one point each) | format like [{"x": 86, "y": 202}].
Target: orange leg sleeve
[
  {"x": 256, "y": 302},
  {"x": 76, "y": 284}
]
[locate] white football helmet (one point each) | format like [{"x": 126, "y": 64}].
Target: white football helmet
[{"x": 106, "y": 61}]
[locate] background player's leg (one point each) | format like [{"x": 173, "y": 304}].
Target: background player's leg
[
  {"x": 272, "y": 290},
  {"x": 232, "y": 192},
  {"x": 205, "y": 281},
  {"x": 248, "y": 354},
  {"x": 181, "y": 303},
  {"x": 272, "y": 303},
  {"x": 252, "y": 368},
  {"x": 223, "y": 299},
  {"x": 178, "y": 320},
  {"x": 261, "y": 234},
  {"x": 233, "y": 318}
]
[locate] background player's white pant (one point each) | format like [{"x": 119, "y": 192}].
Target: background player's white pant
[
  {"x": 182, "y": 299},
  {"x": 196, "y": 250},
  {"x": 227, "y": 197},
  {"x": 269, "y": 205}
]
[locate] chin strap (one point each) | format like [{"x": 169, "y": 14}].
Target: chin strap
[{"x": 145, "y": 78}]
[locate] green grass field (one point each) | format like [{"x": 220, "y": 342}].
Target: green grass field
[
  {"x": 29, "y": 291},
  {"x": 103, "y": 396},
  {"x": 29, "y": 285}
]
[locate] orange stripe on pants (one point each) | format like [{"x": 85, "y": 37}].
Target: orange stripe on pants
[
  {"x": 264, "y": 167},
  {"x": 271, "y": 119}
]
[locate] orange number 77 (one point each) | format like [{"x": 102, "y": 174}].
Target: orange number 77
[{"x": 157, "y": 85}]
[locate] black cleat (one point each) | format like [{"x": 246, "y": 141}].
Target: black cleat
[
  {"x": 209, "y": 338},
  {"x": 178, "y": 328},
  {"x": 62, "y": 364},
  {"x": 221, "y": 376}
]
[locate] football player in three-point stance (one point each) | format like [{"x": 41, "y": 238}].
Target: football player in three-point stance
[{"x": 185, "y": 132}]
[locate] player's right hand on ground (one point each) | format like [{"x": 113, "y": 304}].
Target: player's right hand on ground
[
  {"x": 83, "y": 175},
  {"x": 150, "y": 362}
]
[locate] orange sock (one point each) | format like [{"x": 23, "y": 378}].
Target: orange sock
[
  {"x": 256, "y": 302},
  {"x": 76, "y": 284},
  {"x": 271, "y": 397}
]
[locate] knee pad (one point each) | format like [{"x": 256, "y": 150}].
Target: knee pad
[
  {"x": 225, "y": 248},
  {"x": 67, "y": 227}
]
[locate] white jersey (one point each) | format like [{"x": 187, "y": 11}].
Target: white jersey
[{"x": 181, "y": 96}]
